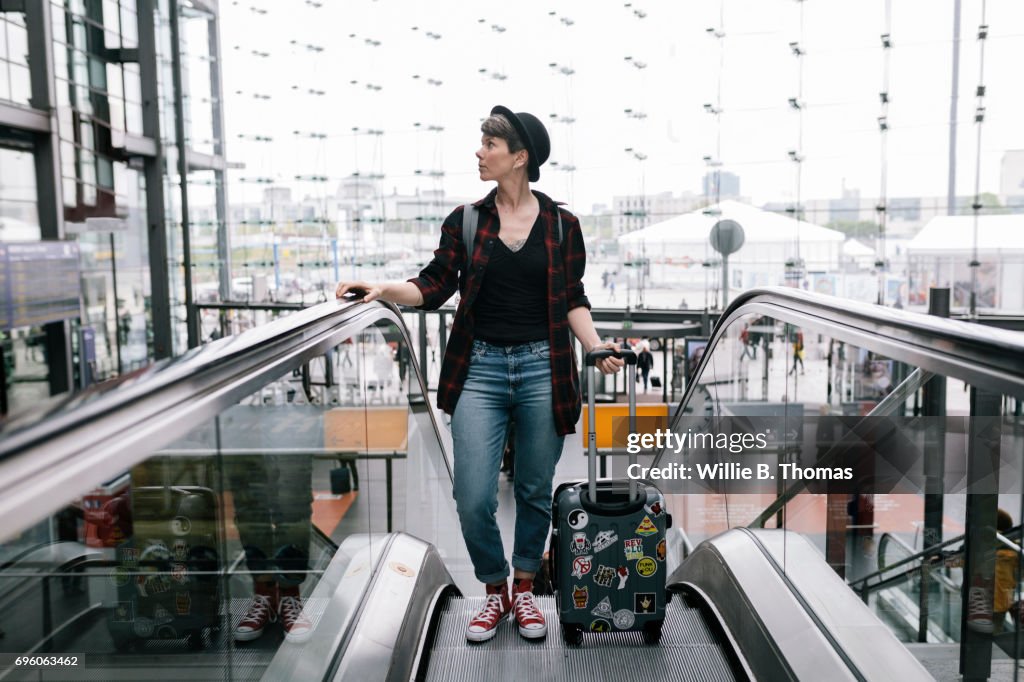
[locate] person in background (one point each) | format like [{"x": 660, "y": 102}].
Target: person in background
[
  {"x": 798, "y": 351},
  {"x": 989, "y": 600},
  {"x": 644, "y": 361}
]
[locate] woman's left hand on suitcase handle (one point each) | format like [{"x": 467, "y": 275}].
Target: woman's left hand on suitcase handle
[{"x": 608, "y": 365}]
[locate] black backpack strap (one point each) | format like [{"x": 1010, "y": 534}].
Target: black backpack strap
[{"x": 470, "y": 216}]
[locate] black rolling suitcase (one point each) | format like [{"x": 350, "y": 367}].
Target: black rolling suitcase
[
  {"x": 166, "y": 577},
  {"x": 608, "y": 543}
]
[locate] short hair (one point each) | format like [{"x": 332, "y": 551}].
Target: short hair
[{"x": 497, "y": 125}]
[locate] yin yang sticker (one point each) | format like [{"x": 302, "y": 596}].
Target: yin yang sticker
[{"x": 578, "y": 519}]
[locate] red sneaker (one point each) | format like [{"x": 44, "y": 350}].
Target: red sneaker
[
  {"x": 260, "y": 612},
  {"x": 528, "y": 616},
  {"x": 485, "y": 623},
  {"x": 297, "y": 626}
]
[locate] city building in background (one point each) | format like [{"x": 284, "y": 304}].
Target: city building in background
[
  {"x": 637, "y": 211},
  {"x": 99, "y": 104}
]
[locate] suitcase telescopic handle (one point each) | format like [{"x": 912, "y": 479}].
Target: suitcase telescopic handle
[
  {"x": 591, "y": 358},
  {"x": 595, "y": 355}
]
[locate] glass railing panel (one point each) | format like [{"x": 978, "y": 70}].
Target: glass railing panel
[
  {"x": 873, "y": 455},
  {"x": 288, "y": 492}
]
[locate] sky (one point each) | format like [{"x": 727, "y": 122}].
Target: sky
[{"x": 377, "y": 64}]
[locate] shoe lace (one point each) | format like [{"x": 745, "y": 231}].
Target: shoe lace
[
  {"x": 977, "y": 599},
  {"x": 291, "y": 608},
  {"x": 526, "y": 607},
  {"x": 491, "y": 609},
  {"x": 259, "y": 608}
]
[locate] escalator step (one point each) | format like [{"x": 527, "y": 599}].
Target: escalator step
[{"x": 687, "y": 648}]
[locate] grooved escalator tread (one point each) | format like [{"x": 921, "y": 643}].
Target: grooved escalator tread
[{"x": 688, "y": 650}]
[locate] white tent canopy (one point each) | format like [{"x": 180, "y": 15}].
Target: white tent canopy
[
  {"x": 945, "y": 234},
  {"x": 680, "y": 245},
  {"x": 941, "y": 253},
  {"x": 855, "y": 249},
  {"x": 759, "y": 227}
]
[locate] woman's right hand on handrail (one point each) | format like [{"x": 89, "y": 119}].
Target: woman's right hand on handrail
[{"x": 359, "y": 291}]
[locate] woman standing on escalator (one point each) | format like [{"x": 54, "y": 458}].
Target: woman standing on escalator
[{"x": 509, "y": 356}]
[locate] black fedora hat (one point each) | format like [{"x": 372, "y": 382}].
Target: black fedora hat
[{"x": 533, "y": 135}]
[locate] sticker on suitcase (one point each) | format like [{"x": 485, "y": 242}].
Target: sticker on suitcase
[
  {"x": 604, "y": 576},
  {"x": 623, "y": 619},
  {"x": 623, "y": 573},
  {"x": 647, "y": 567},
  {"x": 603, "y": 609},
  {"x": 183, "y": 603},
  {"x": 634, "y": 548},
  {"x": 643, "y": 602},
  {"x": 581, "y": 566},
  {"x": 605, "y": 539},
  {"x": 655, "y": 509},
  {"x": 578, "y": 519},
  {"x": 580, "y": 543},
  {"x": 580, "y": 596},
  {"x": 646, "y": 527}
]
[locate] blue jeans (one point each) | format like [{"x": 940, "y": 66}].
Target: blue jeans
[{"x": 505, "y": 382}]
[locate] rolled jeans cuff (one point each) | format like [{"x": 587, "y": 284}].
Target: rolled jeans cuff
[
  {"x": 492, "y": 578},
  {"x": 524, "y": 564}
]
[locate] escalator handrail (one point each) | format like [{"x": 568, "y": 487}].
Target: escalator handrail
[
  {"x": 811, "y": 612},
  {"x": 927, "y": 552},
  {"x": 975, "y": 353},
  {"x": 40, "y": 456},
  {"x": 996, "y": 348}
]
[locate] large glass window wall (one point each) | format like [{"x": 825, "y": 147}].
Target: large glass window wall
[{"x": 15, "y": 85}]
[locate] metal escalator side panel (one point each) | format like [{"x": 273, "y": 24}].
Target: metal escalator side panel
[
  {"x": 386, "y": 642},
  {"x": 709, "y": 570},
  {"x": 814, "y": 626},
  {"x": 868, "y": 642},
  {"x": 340, "y": 590}
]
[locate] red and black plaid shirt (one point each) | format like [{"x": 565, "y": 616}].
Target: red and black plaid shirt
[{"x": 447, "y": 271}]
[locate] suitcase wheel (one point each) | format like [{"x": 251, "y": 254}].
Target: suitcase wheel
[
  {"x": 572, "y": 634},
  {"x": 123, "y": 643},
  {"x": 652, "y": 632},
  {"x": 195, "y": 639}
]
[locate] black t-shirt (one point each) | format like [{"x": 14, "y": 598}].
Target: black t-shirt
[{"x": 511, "y": 306}]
